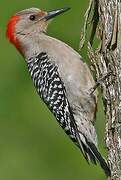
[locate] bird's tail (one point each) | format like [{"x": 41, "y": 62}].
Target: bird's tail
[
  {"x": 91, "y": 153},
  {"x": 88, "y": 146}
]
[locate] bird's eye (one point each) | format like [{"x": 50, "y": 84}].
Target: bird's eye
[{"x": 32, "y": 17}]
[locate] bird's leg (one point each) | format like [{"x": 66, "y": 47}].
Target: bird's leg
[{"x": 99, "y": 82}]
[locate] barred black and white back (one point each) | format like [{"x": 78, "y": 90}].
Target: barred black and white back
[{"x": 51, "y": 89}]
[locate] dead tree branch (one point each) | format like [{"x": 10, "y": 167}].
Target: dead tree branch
[{"x": 105, "y": 23}]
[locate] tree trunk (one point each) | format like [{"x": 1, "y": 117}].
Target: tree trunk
[{"x": 105, "y": 16}]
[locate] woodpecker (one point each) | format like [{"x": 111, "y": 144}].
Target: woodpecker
[{"x": 62, "y": 80}]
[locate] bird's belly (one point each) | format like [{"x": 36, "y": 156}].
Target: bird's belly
[{"x": 79, "y": 98}]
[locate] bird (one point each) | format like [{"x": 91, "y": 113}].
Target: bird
[{"x": 61, "y": 78}]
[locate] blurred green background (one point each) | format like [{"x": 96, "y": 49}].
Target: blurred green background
[{"x": 32, "y": 145}]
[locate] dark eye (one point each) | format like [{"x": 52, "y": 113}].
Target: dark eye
[{"x": 32, "y": 17}]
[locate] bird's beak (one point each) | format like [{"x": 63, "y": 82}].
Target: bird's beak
[{"x": 52, "y": 14}]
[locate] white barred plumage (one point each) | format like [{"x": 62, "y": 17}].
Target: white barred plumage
[{"x": 51, "y": 89}]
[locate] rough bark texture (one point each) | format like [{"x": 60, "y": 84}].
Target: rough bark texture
[{"x": 105, "y": 18}]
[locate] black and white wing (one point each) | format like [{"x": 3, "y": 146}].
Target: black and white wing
[{"x": 51, "y": 89}]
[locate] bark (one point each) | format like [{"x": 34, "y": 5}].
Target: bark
[{"x": 105, "y": 17}]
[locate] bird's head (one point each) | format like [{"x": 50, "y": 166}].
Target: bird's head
[{"x": 29, "y": 21}]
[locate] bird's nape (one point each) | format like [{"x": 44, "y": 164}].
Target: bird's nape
[{"x": 10, "y": 32}]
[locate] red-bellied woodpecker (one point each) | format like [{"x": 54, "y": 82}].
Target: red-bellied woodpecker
[{"x": 61, "y": 78}]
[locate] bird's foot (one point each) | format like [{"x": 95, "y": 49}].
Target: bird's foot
[{"x": 99, "y": 82}]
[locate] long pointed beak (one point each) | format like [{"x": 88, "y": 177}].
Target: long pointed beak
[{"x": 54, "y": 13}]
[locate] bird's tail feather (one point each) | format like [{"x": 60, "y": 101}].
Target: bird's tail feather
[
  {"x": 99, "y": 158},
  {"x": 89, "y": 150},
  {"x": 92, "y": 154}
]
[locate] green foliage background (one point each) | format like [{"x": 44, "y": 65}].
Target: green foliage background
[{"x": 32, "y": 145}]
